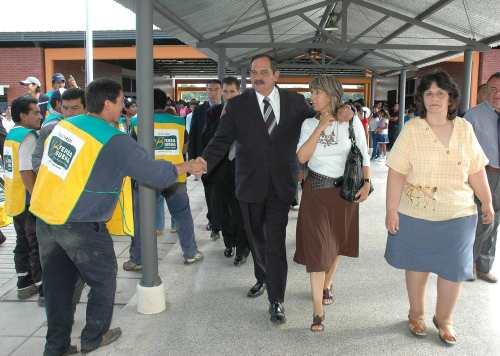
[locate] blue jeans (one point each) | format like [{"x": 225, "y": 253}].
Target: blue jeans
[
  {"x": 160, "y": 213},
  {"x": 375, "y": 141},
  {"x": 178, "y": 205},
  {"x": 67, "y": 252}
]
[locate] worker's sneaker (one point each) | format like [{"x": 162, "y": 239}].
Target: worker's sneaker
[
  {"x": 107, "y": 338},
  {"x": 2, "y": 238},
  {"x": 25, "y": 287},
  {"x": 198, "y": 256},
  {"x": 131, "y": 266}
]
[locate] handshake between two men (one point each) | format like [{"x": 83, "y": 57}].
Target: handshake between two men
[{"x": 195, "y": 167}]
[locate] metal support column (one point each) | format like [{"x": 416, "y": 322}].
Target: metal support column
[
  {"x": 465, "y": 103},
  {"x": 243, "y": 78},
  {"x": 221, "y": 64},
  {"x": 373, "y": 91},
  {"x": 150, "y": 288},
  {"x": 402, "y": 98},
  {"x": 89, "y": 46}
]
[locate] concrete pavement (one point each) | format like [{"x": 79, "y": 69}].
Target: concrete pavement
[{"x": 208, "y": 312}]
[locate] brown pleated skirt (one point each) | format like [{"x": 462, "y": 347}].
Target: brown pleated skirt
[{"x": 327, "y": 226}]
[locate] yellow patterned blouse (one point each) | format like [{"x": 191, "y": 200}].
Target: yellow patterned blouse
[{"x": 437, "y": 185}]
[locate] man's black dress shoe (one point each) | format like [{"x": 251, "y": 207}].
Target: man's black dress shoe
[
  {"x": 256, "y": 290},
  {"x": 277, "y": 311},
  {"x": 239, "y": 260},
  {"x": 228, "y": 252}
]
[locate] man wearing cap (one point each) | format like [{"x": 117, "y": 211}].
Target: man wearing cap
[
  {"x": 35, "y": 90},
  {"x": 58, "y": 82},
  {"x": 129, "y": 111}
]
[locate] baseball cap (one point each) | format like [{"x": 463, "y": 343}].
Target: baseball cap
[
  {"x": 31, "y": 80},
  {"x": 128, "y": 102},
  {"x": 58, "y": 77}
]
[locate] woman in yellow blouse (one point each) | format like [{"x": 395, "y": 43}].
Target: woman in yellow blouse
[{"x": 435, "y": 168}]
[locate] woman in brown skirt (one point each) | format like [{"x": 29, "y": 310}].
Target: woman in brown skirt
[{"x": 328, "y": 225}]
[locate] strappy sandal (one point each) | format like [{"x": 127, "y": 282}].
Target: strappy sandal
[
  {"x": 317, "y": 324},
  {"x": 417, "y": 326},
  {"x": 447, "y": 337},
  {"x": 327, "y": 296}
]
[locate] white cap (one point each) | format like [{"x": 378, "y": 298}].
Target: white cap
[{"x": 31, "y": 80}]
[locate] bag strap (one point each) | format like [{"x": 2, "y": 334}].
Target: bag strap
[{"x": 352, "y": 136}]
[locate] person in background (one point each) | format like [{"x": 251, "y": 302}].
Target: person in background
[
  {"x": 72, "y": 82},
  {"x": 382, "y": 137},
  {"x": 372, "y": 130},
  {"x": 196, "y": 146},
  {"x": 19, "y": 179},
  {"x": 226, "y": 206},
  {"x": 485, "y": 119},
  {"x": 435, "y": 168},
  {"x": 482, "y": 93},
  {"x": 394, "y": 126},
  {"x": 35, "y": 90},
  {"x": 129, "y": 112},
  {"x": 360, "y": 113}
]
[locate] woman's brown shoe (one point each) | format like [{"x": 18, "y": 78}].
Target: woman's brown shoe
[
  {"x": 327, "y": 296},
  {"x": 446, "y": 333},
  {"x": 417, "y": 326},
  {"x": 317, "y": 324}
]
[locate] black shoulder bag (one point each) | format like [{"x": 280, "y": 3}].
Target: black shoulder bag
[{"x": 353, "y": 171}]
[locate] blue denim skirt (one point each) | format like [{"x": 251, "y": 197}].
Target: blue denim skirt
[{"x": 441, "y": 247}]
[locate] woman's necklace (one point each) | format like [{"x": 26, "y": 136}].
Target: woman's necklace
[{"x": 329, "y": 139}]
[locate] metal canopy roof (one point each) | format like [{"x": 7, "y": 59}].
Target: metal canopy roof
[{"x": 382, "y": 36}]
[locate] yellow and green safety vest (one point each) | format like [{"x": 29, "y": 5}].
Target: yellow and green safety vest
[
  {"x": 15, "y": 191},
  {"x": 53, "y": 116},
  {"x": 169, "y": 133},
  {"x": 68, "y": 159}
]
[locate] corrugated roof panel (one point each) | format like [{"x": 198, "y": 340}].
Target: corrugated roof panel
[
  {"x": 484, "y": 16},
  {"x": 416, "y": 35}
]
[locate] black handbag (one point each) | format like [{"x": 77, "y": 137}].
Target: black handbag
[{"x": 353, "y": 171}]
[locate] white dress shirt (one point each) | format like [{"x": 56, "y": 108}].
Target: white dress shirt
[{"x": 274, "y": 98}]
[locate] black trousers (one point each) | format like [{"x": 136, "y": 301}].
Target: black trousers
[
  {"x": 67, "y": 252},
  {"x": 226, "y": 209},
  {"x": 265, "y": 224},
  {"x": 209, "y": 199},
  {"x": 26, "y": 257}
]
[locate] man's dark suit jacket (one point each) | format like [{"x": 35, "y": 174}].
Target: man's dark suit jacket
[
  {"x": 260, "y": 158},
  {"x": 195, "y": 145},
  {"x": 219, "y": 173}
]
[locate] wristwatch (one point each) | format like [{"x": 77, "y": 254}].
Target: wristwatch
[{"x": 366, "y": 180}]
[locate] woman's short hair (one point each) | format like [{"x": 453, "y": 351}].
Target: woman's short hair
[
  {"x": 444, "y": 82},
  {"x": 331, "y": 86}
]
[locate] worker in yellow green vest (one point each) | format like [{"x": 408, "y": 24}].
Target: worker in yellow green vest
[
  {"x": 72, "y": 104},
  {"x": 58, "y": 82},
  {"x": 84, "y": 163},
  {"x": 169, "y": 136},
  {"x": 19, "y": 179},
  {"x": 129, "y": 112}
]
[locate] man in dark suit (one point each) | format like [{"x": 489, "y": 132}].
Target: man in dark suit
[
  {"x": 226, "y": 207},
  {"x": 196, "y": 146},
  {"x": 265, "y": 122}
]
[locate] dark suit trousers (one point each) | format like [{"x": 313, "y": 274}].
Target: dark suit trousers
[{"x": 265, "y": 224}]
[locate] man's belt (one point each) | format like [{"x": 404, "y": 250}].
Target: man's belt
[{"x": 493, "y": 169}]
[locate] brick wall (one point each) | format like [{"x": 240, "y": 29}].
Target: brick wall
[
  {"x": 18, "y": 63},
  {"x": 490, "y": 63}
]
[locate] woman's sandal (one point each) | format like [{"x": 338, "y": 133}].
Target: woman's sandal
[
  {"x": 317, "y": 324},
  {"x": 327, "y": 296},
  {"x": 417, "y": 326},
  {"x": 446, "y": 335}
]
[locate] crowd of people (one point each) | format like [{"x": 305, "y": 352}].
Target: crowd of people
[{"x": 72, "y": 170}]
